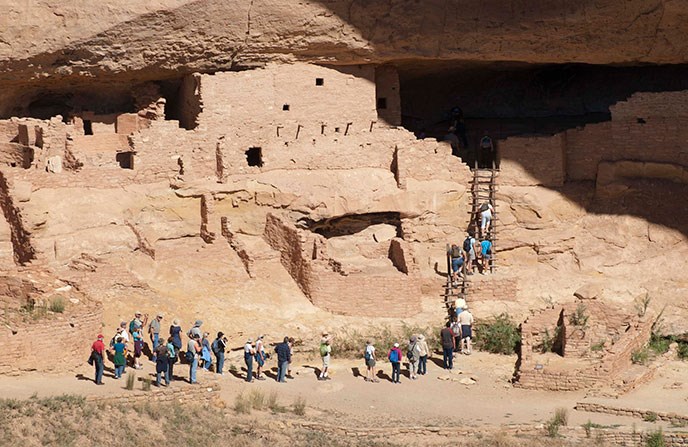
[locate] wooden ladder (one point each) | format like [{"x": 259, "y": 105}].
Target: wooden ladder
[{"x": 484, "y": 189}]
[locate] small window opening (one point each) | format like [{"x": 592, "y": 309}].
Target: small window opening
[
  {"x": 381, "y": 103},
  {"x": 336, "y": 129},
  {"x": 641, "y": 121},
  {"x": 319, "y": 81},
  {"x": 125, "y": 160},
  {"x": 254, "y": 156},
  {"x": 285, "y": 107},
  {"x": 88, "y": 127}
]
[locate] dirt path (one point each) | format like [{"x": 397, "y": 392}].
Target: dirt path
[{"x": 436, "y": 399}]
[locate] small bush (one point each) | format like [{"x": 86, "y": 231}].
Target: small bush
[
  {"x": 561, "y": 416},
  {"x": 146, "y": 384},
  {"x": 682, "y": 351},
  {"x": 552, "y": 428},
  {"x": 659, "y": 344},
  {"x": 257, "y": 400},
  {"x": 57, "y": 305},
  {"x": 580, "y": 316},
  {"x": 650, "y": 416},
  {"x": 640, "y": 356},
  {"x": 131, "y": 379},
  {"x": 272, "y": 403},
  {"x": 299, "y": 406},
  {"x": 655, "y": 439},
  {"x": 501, "y": 336},
  {"x": 547, "y": 342},
  {"x": 242, "y": 405},
  {"x": 599, "y": 346}
]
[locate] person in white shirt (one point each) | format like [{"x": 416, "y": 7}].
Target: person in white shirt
[
  {"x": 466, "y": 321},
  {"x": 370, "y": 362}
]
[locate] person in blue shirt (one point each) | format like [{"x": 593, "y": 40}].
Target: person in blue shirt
[
  {"x": 486, "y": 254},
  {"x": 283, "y": 351}
]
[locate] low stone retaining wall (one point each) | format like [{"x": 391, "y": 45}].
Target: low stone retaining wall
[
  {"x": 181, "y": 394},
  {"x": 632, "y": 412}
]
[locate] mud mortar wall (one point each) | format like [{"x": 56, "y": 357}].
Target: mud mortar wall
[
  {"x": 646, "y": 127},
  {"x": 50, "y": 345}
]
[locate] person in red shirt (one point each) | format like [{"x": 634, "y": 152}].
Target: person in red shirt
[{"x": 97, "y": 353}]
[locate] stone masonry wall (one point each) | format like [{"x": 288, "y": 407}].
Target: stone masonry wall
[
  {"x": 503, "y": 289},
  {"x": 532, "y": 161},
  {"x": 50, "y": 345}
]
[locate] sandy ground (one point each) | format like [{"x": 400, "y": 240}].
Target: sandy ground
[{"x": 436, "y": 399}]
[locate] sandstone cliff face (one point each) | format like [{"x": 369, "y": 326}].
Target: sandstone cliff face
[{"x": 147, "y": 40}]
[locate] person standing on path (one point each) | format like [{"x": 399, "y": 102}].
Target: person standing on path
[
  {"x": 205, "y": 352},
  {"x": 325, "y": 353},
  {"x": 137, "y": 335},
  {"x": 394, "y": 356},
  {"x": 283, "y": 358},
  {"x": 291, "y": 354},
  {"x": 423, "y": 352},
  {"x": 466, "y": 320},
  {"x": 448, "y": 346},
  {"x": 249, "y": 352},
  {"x": 119, "y": 350},
  {"x": 260, "y": 357},
  {"x": 219, "y": 346},
  {"x": 176, "y": 334},
  {"x": 193, "y": 351},
  {"x": 370, "y": 360},
  {"x": 97, "y": 353},
  {"x": 196, "y": 330},
  {"x": 162, "y": 364},
  {"x": 173, "y": 356},
  {"x": 154, "y": 333},
  {"x": 413, "y": 355}
]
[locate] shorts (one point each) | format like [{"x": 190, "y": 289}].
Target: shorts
[
  {"x": 370, "y": 363},
  {"x": 471, "y": 255},
  {"x": 486, "y": 256},
  {"x": 326, "y": 360},
  {"x": 260, "y": 360},
  {"x": 138, "y": 348},
  {"x": 466, "y": 331},
  {"x": 456, "y": 264}
]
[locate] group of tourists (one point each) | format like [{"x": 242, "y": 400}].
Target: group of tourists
[
  {"x": 208, "y": 354},
  {"x": 486, "y": 156}
]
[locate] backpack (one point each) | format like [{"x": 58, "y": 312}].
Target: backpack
[
  {"x": 132, "y": 326},
  {"x": 323, "y": 349},
  {"x": 467, "y": 244},
  {"x": 366, "y": 355},
  {"x": 486, "y": 143},
  {"x": 411, "y": 354},
  {"x": 214, "y": 347},
  {"x": 484, "y": 207},
  {"x": 455, "y": 252},
  {"x": 393, "y": 355},
  {"x": 190, "y": 356},
  {"x": 161, "y": 351}
]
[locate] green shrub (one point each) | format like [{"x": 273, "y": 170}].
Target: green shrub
[
  {"x": 640, "y": 356},
  {"x": 650, "y": 416},
  {"x": 580, "y": 316},
  {"x": 57, "y": 305},
  {"x": 682, "y": 351},
  {"x": 659, "y": 344},
  {"x": 131, "y": 379},
  {"x": 561, "y": 416},
  {"x": 500, "y": 336},
  {"x": 599, "y": 346},
  {"x": 655, "y": 439}
]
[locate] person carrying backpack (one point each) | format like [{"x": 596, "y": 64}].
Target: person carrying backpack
[
  {"x": 218, "y": 347},
  {"x": 96, "y": 358},
  {"x": 325, "y": 351},
  {"x": 457, "y": 261},
  {"x": 413, "y": 355},
  {"x": 470, "y": 252},
  {"x": 423, "y": 352},
  {"x": 261, "y": 356},
  {"x": 172, "y": 356},
  {"x": 394, "y": 357},
  {"x": 369, "y": 356},
  {"x": 487, "y": 152},
  {"x": 162, "y": 363}
]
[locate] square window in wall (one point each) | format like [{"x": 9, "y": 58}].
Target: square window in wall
[
  {"x": 125, "y": 160},
  {"x": 319, "y": 81},
  {"x": 381, "y": 103},
  {"x": 88, "y": 127},
  {"x": 254, "y": 156},
  {"x": 285, "y": 107}
]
